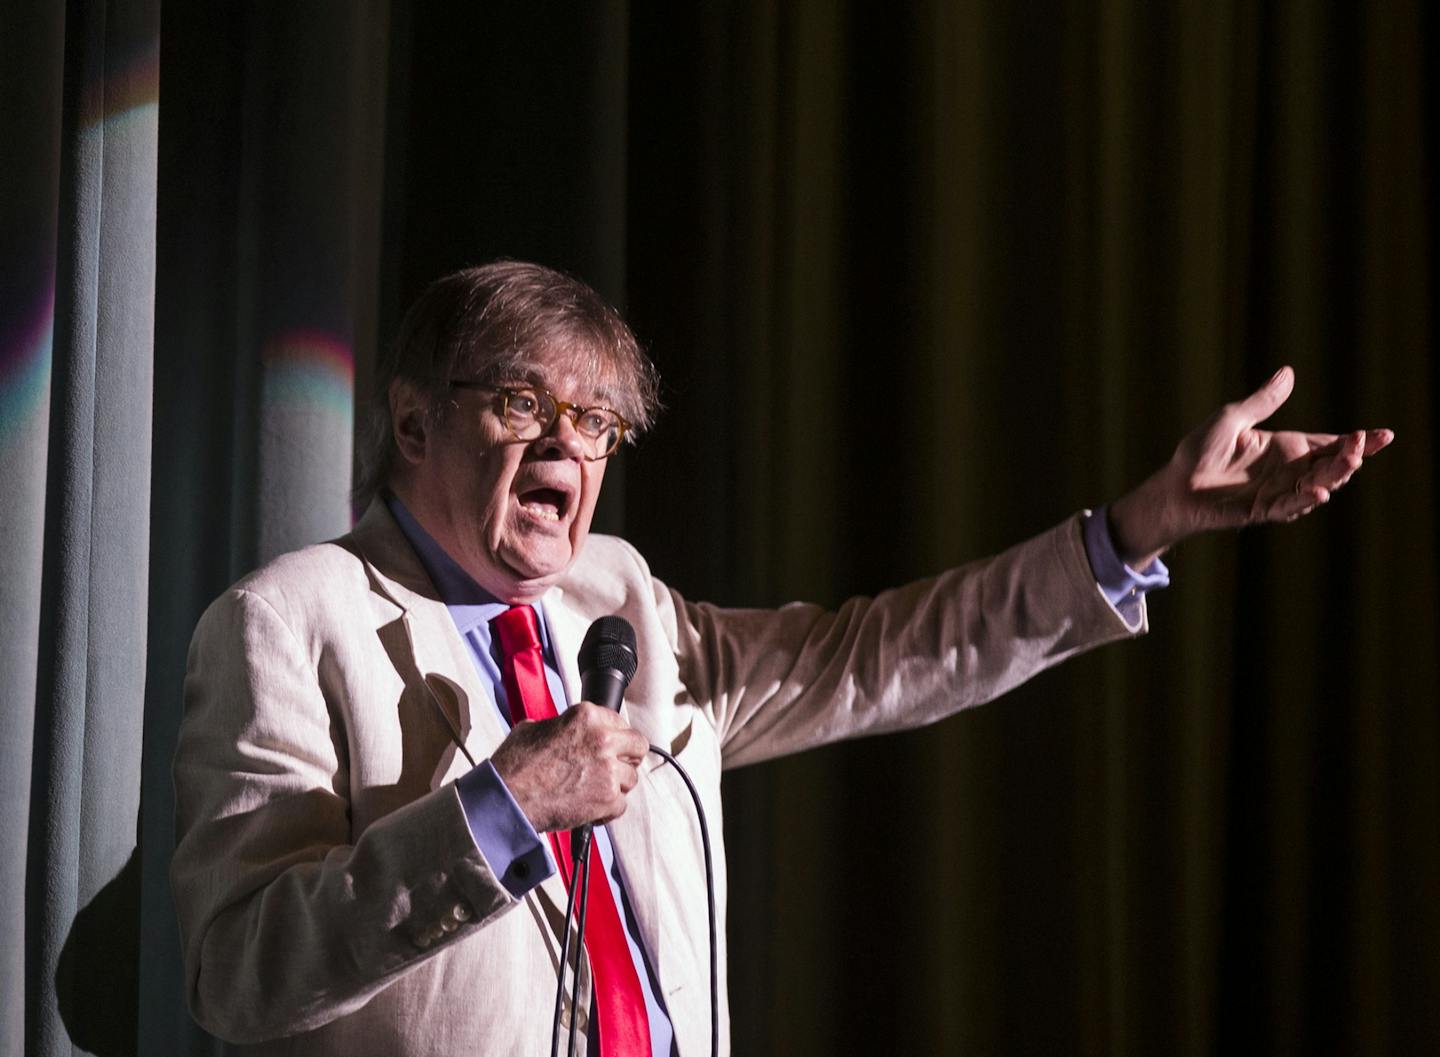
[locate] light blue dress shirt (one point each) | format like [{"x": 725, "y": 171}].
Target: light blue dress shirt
[{"x": 1122, "y": 586}]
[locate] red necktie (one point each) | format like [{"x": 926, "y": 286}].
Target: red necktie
[{"x": 622, "y": 1022}]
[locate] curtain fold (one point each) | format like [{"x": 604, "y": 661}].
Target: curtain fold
[
  {"x": 944, "y": 275},
  {"x": 271, "y": 206},
  {"x": 89, "y": 460},
  {"x": 31, "y": 93}
]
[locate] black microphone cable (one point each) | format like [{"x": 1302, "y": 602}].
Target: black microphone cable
[
  {"x": 565, "y": 952},
  {"x": 709, "y": 897},
  {"x": 608, "y": 662},
  {"x": 581, "y": 861}
]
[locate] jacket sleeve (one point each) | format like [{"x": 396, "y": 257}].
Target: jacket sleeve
[
  {"x": 287, "y": 919},
  {"x": 779, "y": 681}
]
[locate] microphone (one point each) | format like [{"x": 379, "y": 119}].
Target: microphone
[{"x": 607, "y": 662}]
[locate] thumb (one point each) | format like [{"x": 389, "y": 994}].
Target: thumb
[{"x": 1264, "y": 402}]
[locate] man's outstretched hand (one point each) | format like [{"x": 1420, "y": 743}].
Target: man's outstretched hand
[{"x": 1227, "y": 474}]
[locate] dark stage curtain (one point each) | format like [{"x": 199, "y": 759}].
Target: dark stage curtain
[
  {"x": 922, "y": 279},
  {"x": 925, "y": 279}
]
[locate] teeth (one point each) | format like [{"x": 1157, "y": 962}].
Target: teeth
[{"x": 546, "y": 513}]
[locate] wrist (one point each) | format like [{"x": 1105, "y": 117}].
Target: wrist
[
  {"x": 1138, "y": 523},
  {"x": 515, "y": 777}
]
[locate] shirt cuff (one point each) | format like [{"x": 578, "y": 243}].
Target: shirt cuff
[
  {"x": 1123, "y": 587},
  {"x": 514, "y": 851}
]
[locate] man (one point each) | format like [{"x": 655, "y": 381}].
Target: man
[{"x": 372, "y": 780}]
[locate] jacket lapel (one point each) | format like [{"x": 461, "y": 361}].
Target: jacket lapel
[
  {"x": 442, "y": 660},
  {"x": 440, "y": 656},
  {"x": 567, "y": 631}
]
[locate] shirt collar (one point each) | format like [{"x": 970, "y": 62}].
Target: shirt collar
[{"x": 469, "y": 603}]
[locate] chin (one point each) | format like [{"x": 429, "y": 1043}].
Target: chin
[{"x": 541, "y": 570}]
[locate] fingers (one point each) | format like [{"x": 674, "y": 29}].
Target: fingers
[
  {"x": 1301, "y": 503},
  {"x": 1264, "y": 402},
  {"x": 1330, "y": 470},
  {"x": 1335, "y": 470},
  {"x": 615, "y": 748},
  {"x": 575, "y": 768},
  {"x": 1371, "y": 440},
  {"x": 620, "y": 738},
  {"x": 1377, "y": 440}
]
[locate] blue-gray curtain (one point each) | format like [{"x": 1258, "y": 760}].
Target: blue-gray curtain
[
  {"x": 80, "y": 110},
  {"x": 234, "y": 398},
  {"x": 270, "y": 191}
]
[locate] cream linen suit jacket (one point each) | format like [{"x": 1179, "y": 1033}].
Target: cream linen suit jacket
[{"x": 331, "y": 898}]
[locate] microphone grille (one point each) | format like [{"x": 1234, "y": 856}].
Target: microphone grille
[{"x": 610, "y": 644}]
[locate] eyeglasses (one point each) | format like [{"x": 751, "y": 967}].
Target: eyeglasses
[{"x": 530, "y": 412}]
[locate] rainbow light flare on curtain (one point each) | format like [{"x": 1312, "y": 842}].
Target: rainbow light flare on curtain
[
  {"x": 25, "y": 369},
  {"x": 130, "y": 91},
  {"x": 307, "y": 417},
  {"x": 314, "y": 370}
]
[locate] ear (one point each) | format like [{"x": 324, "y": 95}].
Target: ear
[{"x": 409, "y": 421}]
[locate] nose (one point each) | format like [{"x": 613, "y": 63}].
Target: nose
[{"x": 560, "y": 441}]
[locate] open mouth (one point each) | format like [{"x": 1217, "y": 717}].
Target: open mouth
[{"x": 544, "y": 504}]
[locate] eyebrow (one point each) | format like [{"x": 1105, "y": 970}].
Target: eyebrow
[
  {"x": 613, "y": 397},
  {"x": 532, "y": 372}
]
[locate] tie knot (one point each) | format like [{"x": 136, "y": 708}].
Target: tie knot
[{"x": 517, "y": 630}]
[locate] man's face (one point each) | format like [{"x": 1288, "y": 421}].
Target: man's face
[{"x": 514, "y": 514}]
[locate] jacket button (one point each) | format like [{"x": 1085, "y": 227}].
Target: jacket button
[{"x": 581, "y": 1019}]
